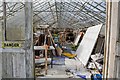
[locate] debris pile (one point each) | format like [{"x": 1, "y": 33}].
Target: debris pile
[{"x": 81, "y": 56}]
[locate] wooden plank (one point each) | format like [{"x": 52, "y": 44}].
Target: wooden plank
[
  {"x": 53, "y": 43},
  {"x": 112, "y": 29},
  {"x": 87, "y": 44},
  {"x": 107, "y": 35},
  {"x": 22, "y": 65},
  {"x": 80, "y": 34},
  {"x": 0, "y": 35},
  {"x": 13, "y": 65},
  {"x": 113, "y": 38},
  {"x": 4, "y": 66},
  {"x": 28, "y": 46},
  {"x": 77, "y": 39},
  {"x": 43, "y": 48},
  {"x": 9, "y": 65},
  {"x": 46, "y": 60},
  {"x": 0, "y": 50},
  {"x": 19, "y": 65},
  {"x": 0, "y": 62},
  {"x": 42, "y": 60}
]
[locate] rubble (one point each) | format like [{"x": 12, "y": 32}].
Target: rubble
[{"x": 77, "y": 63}]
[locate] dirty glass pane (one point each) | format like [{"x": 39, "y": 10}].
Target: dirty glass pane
[{"x": 15, "y": 24}]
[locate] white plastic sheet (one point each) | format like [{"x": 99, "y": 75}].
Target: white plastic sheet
[{"x": 87, "y": 44}]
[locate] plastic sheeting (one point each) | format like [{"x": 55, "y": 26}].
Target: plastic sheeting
[{"x": 87, "y": 44}]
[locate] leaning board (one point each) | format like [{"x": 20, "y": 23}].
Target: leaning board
[
  {"x": 77, "y": 39},
  {"x": 87, "y": 44}
]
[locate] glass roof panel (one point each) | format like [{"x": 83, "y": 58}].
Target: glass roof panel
[{"x": 63, "y": 12}]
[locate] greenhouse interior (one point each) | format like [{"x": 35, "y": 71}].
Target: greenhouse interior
[{"x": 43, "y": 39}]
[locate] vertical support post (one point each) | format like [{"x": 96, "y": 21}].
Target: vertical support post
[
  {"x": 0, "y": 50},
  {"x": 46, "y": 49},
  {"x": 117, "y": 55},
  {"x": 46, "y": 60},
  {"x": 107, "y": 36},
  {"x": 29, "y": 57},
  {"x": 111, "y": 39},
  {"x": 4, "y": 22},
  {"x": 2, "y": 36}
]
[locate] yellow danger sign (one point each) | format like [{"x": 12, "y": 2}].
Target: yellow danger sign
[{"x": 11, "y": 45}]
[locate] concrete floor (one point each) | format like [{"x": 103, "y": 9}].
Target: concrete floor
[{"x": 59, "y": 71}]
